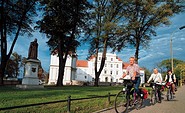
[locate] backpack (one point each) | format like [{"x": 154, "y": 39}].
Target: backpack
[{"x": 145, "y": 93}]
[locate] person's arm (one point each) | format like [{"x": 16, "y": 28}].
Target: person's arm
[
  {"x": 174, "y": 77},
  {"x": 160, "y": 76},
  {"x": 165, "y": 78},
  {"x": 124, "y": 74},
  {"x": 151, "y": 76}
]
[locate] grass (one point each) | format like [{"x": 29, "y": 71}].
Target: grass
[{"x": 11, "y": 96}]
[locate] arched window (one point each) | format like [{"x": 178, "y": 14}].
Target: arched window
[{"x": 106, "y": 79}]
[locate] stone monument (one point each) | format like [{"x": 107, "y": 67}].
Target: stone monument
[{"x": 30, "y": 79}]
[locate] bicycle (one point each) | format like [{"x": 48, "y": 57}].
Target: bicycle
[
  {"x": 154, "y": 93},
  {"x": 169, "y": 94},
  {"x": 123, "y": 99}
]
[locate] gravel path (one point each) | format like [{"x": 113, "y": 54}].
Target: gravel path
[{"x": 177, "y": 105}]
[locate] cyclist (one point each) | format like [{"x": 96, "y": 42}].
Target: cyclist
[
  {"x": 170, "y": 77},
  {"x": 133, "y": 71},
  {"x": 157, "y": 78}
]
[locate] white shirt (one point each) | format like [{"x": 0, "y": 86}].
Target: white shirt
[{"x": 155, "y": 77}]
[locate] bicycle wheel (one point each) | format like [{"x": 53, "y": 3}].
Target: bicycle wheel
[
  {"x": 168, "y": 94},
  {"x": 139, "y": 103},
  {"x": 121, "y": 103},
  {"x": 153, "y": 97}
]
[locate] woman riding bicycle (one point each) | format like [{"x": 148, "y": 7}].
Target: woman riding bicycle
[
  {"x": 133, "y": 71},
  {"x": 157, "y": 78},
  {"x": 171, "y": 79}
]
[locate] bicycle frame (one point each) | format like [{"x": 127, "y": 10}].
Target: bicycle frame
[
  {"x": 169, "y": 92},
  {"x": 154, "y": 94},
  {"x": 128, "y": 91}
]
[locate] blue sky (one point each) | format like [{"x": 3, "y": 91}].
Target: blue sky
[{"x": 158, "y": 50}]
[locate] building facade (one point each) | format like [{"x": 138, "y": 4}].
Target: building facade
[
  {"x": 83, "y": 70},
  {"x": 112, "y": 72},
  {"x": 69, "y": 71}
]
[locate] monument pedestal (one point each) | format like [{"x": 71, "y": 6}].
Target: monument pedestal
[{"x": 30, "y": 79}]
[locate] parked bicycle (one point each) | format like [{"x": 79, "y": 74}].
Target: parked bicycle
[
  {"x": 128, "y": 98},
  {"x": 169, "y": 94},
  {"x": 156, "y": 87}
]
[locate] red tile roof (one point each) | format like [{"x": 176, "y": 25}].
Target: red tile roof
[
  {"x": 119, "y": 59},
  {"x": 91, "y": 57},
  {"x": 81, "y": 63}
]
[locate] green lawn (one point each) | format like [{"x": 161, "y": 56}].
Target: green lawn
[{"x": 11, "y": 96}]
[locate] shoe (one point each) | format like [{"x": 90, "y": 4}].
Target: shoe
[{"x": 159, "y": 101}]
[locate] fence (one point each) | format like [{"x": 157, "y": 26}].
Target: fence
[{"x": 67, "y": 100}]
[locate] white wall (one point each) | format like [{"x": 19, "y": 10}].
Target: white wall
[{"x": 69, "y": 72}]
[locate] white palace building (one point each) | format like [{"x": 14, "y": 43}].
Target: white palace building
[{"x": 83, "y": 70}]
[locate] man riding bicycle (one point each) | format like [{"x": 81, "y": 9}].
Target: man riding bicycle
[
  {"x": 157, "y": 78},
  {"x": 133, "y": 71}
]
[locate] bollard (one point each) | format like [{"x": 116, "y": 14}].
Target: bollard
[
  {"x": 109, "y": 98},
  {"x": 69, "y": 104}
]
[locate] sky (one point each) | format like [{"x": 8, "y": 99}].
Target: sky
[{"x": 158, "y": 50}]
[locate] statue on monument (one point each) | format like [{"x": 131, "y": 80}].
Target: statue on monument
[{"x": 33, "y": 50}]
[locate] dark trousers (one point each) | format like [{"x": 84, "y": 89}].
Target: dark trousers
[
  {"x": 159, "y": 91},
  {"x": 137, "y": 82}
]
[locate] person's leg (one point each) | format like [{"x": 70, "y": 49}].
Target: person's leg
[
  {"x": 173, "y": 88},
  {"x": 159, "y": 94},
  {"x": 137, "y": 84}
]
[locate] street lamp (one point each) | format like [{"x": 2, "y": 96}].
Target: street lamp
[{"x": 171, "y": 51}]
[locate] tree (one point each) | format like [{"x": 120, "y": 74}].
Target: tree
[
  {"x": 62, "y": 22},
  {"x": 106, "y": 28},
  {"x": 166, "y": 64},
  {"x": 15, "y": 19},
  {"x": 10, "y": 69},
  {"x": 147, "y": 73},
  {"x": 143, "y": 16},
  {"x": 14, "y": 65},
  {"x": 180, "y": 72}
]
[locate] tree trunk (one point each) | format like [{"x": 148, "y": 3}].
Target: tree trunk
[
  {"x": 97, "y": 73},
  {"x": 137, "y": 51},
  {"x": 96, "y": 82},
  {"x": 61, "y": 68},
  {"x": 1, "y": 75},
  {"x": 61, "y": 73}
]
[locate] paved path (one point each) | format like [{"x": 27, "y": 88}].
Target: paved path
[{"x": 177, "y": 105}]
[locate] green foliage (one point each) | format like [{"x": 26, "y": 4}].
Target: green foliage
[
  {"x": 105, "y": 30},
  {"x": 180, "y": 70},
  {"x": 16, "y": 17},
  {"x": 178, "y": 67},
  {"x": 147, "y": 73},
  {"x": 18, "y": 13},
  {"x": 62, "y": 22},
  {"x": 143, "y": 16},
  {"x": 106, "y": 24},
  {"x": 166, "y": 64},
  {"x": 14, "y": 65}
]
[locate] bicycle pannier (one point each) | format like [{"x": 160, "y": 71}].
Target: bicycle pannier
[{"x": 145, "y": 93}]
